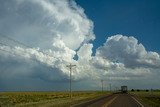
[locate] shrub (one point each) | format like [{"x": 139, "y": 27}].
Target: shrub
[{"x": 138, "y": 90}]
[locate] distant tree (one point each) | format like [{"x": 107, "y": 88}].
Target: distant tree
[
  {"x": 138, "y": 90},
  {"x": 132, "y": 90},
  {"x": 147, "y": 90}
]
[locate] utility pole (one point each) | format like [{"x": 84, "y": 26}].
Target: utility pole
[
  {"x": 110, "y": 86},
  {"x": 102, "y": 84},
  {"x": 70, "y": 68}
]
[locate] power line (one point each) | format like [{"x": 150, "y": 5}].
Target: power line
[
  {"x": 35, "y": 60},
  {"x": 16, "y": 41},
  {"x": 26, "y": 46},
  {"x": 14, "y": 54},
  {"x": 31, "y": 59},
  {"x": 22, "y": 44}
]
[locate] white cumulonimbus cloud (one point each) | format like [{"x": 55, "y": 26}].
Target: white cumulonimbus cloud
[
  {"x": 58, "y": 33},
  {"x": 55, "y": 28},
  {"x": 128, "y": 51}
]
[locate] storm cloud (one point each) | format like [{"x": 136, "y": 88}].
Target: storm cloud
[{"x": 38, "y": 38}]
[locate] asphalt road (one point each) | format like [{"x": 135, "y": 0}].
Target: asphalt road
[
  {"x": 124, "y": 100},
  {"x": 115, "y": 100}
]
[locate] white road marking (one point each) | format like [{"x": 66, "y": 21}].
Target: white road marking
[
  {"x": 138, "y": 102},
  {"x": 108, "y": 103}
]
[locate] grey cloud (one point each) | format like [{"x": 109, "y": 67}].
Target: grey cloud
[{"x": 52, "y": 31}]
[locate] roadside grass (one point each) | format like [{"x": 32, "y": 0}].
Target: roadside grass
[
  {"x": 152, "y": 99},
  {"x": 46, "y": 99}
]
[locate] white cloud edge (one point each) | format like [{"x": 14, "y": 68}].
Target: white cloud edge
[{"x": 89, "y": 66}]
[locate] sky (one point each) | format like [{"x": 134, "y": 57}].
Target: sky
[
  {"x": 138, "y": 18},
  {"x": 113, "y": 40}
]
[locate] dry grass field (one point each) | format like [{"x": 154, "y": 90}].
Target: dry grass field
[
  {"x": 45, "y": 99},
  {"x": 150, "y": 98}
]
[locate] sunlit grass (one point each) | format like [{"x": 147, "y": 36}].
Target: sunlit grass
[
  {"x": 46, "y": 98},
  {"x": 151, "y": 98}
]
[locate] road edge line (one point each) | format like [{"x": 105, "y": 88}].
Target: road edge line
[
  {"x": 91, "y": 100},
  {"x": 138, "y": 102},
  {"x": 110, "y": 101}
]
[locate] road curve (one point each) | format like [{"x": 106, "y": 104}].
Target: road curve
[{"x": 115, "y": 100}]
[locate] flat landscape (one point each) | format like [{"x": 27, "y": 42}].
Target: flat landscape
[
  {"x": 79, "y": 53},
  {"x": 130, "y": 99},
  {"x": 46, "y": 99},
  {"x": 80, "y": 99},
  {"x": 152, "y": 99}
]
